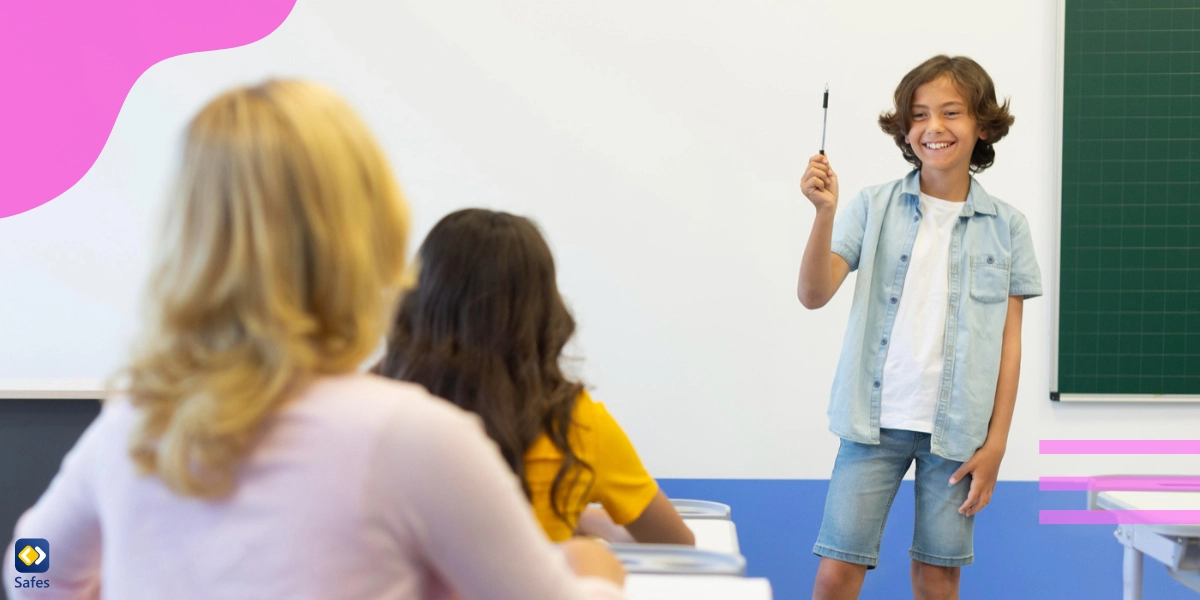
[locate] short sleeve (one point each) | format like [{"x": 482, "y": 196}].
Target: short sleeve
[
  {"x": 622, "y": 484},
  {"x": 849, "y": 228},
  {"x": 1025, "y": 278}
]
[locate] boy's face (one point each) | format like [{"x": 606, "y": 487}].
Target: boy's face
[{"x": 942, "y": 132}]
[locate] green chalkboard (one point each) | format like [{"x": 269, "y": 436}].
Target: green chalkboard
[{"x": 1129, "y": 261}]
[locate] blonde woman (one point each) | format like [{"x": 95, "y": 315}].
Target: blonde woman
[{"x": 248, "y": 458}]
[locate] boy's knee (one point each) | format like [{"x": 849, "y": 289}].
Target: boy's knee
[
  {"x": 836, "y": 574},
  {"x": 934, "y": 582}
]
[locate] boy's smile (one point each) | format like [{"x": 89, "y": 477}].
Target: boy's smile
[{"x": 943, "y": 132}]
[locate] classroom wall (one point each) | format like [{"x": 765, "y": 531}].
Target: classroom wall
[
  {"x": 659, "y": 145},
  {"x": 777, "y": 521}
]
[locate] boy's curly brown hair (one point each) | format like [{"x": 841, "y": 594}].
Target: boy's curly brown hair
[{"x": 974, "y": 83}]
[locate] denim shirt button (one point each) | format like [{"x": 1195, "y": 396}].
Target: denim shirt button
[
  {"x": 916, "y": 218},
  {"x": 894, "y": 300},
  {"x": 991, "y": 260},
  {"x": 877, "y": 384},
  {"x": 903, "y": 258},
  {"x": 883, "y": 342}
]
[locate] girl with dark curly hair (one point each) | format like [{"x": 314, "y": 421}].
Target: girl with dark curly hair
[{"x": 484, "y": 328}]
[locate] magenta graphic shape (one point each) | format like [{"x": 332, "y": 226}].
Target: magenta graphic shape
[
  {"x": 1131, "y": 483},
  {"x": 66, "y": 67},
  {"x": 1119, "y": 447},
  {"x": 1119, "y": 517}
]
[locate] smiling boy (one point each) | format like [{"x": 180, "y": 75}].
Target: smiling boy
[{"x": 932, "y": 353}]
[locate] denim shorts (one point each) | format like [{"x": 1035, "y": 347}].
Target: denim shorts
[{"x": 864, "y": 483}]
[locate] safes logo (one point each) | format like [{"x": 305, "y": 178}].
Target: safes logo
[{"x": 33, "y": 555}]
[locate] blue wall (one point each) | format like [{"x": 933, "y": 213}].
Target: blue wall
[{"x": 1015, "y": 557}]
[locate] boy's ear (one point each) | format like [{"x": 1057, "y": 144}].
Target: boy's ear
[{"x": 983, "y": 134}]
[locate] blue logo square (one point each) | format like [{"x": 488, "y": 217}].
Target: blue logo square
[{"x": 32, "y": 555}]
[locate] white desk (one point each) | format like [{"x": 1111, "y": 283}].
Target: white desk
[
  {"x": 1176, "y": 546},
  {"x": 701, "y": 509},
  {"x": 718, "y": 535},
  {"x": 696, "y": 587}
]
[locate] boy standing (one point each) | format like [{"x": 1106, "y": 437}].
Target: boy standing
[{"x": 932, "y": 353}]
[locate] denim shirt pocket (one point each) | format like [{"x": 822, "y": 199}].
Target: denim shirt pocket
[{"x": 989, "y": 278}]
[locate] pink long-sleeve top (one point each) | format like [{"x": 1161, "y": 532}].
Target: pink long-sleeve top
[{"x": 359, "y": 488}]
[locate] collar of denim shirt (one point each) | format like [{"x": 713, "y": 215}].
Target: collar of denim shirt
[{"x": 978, "y": 200}]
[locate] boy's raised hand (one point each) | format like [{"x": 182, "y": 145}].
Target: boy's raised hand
[{"x": 820, "y": 183}]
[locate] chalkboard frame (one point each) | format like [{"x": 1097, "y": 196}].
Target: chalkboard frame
[{"x": 1056, "y": 282}]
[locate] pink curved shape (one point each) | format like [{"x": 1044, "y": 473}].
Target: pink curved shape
[{"x": 66, "y": 67}]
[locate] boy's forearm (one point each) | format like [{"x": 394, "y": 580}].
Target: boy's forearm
[
  {"x": 815, "y": 286},
  {"x": 1002, "y": 413},
  {"x": 1010, "y": 374}
]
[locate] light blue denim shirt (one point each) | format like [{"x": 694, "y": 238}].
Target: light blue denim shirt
[{"x": 991, "y": 258}]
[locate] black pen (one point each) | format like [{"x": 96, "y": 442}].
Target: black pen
[{"x": 825, "y": 118}]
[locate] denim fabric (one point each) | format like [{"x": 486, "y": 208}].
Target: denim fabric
[
  {"x": 991, "y": 258},
  {"x": 864, "y": 483}
]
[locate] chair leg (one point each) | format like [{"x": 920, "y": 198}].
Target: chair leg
[{"x": 1133, "y": 573}]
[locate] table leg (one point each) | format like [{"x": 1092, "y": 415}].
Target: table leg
[{"x": 1133, "y": 573}]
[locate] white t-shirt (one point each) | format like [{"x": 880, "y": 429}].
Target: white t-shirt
[
  {"x": 912, "y": 372},
  {"x": 361, "y": 488}
]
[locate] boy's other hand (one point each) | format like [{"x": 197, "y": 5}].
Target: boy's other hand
[
  {"x": 820, "y": 183},
  {"x": 983, "y": 468}
]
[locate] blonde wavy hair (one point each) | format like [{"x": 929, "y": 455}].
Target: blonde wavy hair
[{"x": 282, "y": 253}]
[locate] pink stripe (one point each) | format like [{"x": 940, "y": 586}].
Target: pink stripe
[
  {"x": 1119, "y": 517},
  {"x": 1119, "y": 447},
  {"x": 1119, "y": 483}
]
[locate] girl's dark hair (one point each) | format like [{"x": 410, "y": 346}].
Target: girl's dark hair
[
  {"x": 974, "y": 83},
  {"x": 484, "y": 328}
]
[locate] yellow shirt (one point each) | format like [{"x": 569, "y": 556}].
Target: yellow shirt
[{"x": 619, "y": 482}]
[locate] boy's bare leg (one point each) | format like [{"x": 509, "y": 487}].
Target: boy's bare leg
[
  {"x": 931, "y": 582},
  {"x": 838, "y": 580}
]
